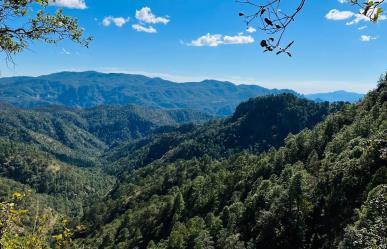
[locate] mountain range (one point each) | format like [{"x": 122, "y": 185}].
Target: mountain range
[
  {"x": 89, "y": 89},
  {"x": 336, "y": 96}
]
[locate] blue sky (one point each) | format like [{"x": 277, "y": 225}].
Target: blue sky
[{"x": 329, "y": 54}]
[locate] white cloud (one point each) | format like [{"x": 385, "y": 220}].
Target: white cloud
[
  {"x": 367, "y": 38},
  {"x": 141, "y": 28},
  {"x": 336, "y": 15},
  {"x": 145, "y": 15},
  {"x": 343, "y": 1},
  {"x": 362, "y": 28},
  {"x": 218, "y": 39},
  {"x": 251, "y": 30},
  {"x": 238, "y": 39},
  {"x": 118, "y": 21},
  {"x": 72, "y": 4},
  {"x": 208, "y": 40}
]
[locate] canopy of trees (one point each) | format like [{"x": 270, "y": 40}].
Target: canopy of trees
[{"x": 325, "y": 188}]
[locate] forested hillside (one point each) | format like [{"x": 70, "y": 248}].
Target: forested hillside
[
  {"x": 325, "y": 188},
  {"x": 65, "y": 188},
  {"x": 56, "y": 152},
  {"x": 80, "y": 136},
  {"x": 256, "y": 125},
  {"x": 281, "y": 172}
]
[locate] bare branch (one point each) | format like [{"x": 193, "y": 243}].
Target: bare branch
[{"x": 273, "y": 20}]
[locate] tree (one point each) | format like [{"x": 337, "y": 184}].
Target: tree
[
  {"x": 273, "y": 17},
  {"x": 369, "y": 231},
  {"x": 22, "y": 229},
  {"x": 20, "y": 24},
  {"x": 178, "y": 207},
  {"x": 204, "y": 241}
]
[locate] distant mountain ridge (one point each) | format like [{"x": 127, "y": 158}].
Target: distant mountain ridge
[
  {"x": 336, "y": 96},
  {"x": 90, "y": 89}
]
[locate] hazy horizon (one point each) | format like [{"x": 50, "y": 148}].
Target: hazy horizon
[{"x": 237, "y": 81}]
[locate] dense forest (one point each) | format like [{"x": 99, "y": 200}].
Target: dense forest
[
  {"x": 325, "y": 188},
  {"x": 256, "y": 125},
  {"x": 280, "y": 172},
  {"x": 80, "y": 136}
]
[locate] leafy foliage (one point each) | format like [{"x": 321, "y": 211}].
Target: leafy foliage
[{"x": 21, "y": 229}]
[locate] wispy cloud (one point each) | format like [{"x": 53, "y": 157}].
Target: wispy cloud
[
  {"x": 72, "y": 4},
  {"x": 145, "y": 15},
  {"x": 118, "y": 21},
  {"x": 362, "y": 28},
  {"x": 215, "y": 40},
  {"x": 367, "y": 38},
  {"x": 65, "y": 52},
  {"x": 358, "y": 18},
  {"x": 141, "y": 28}
]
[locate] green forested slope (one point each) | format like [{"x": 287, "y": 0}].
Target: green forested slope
[
  {"x": 257, "y": 125},
  {"x": 325, "y": 188},
  {"x": 231, "y": 183},
  {"x": 118, "y": 123},
  {"x": 47, "y": 150},
  {"x": 63, "y": 138},
  {"x": 70, "y": 188},
  {"x": 80, "y": 136}
]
